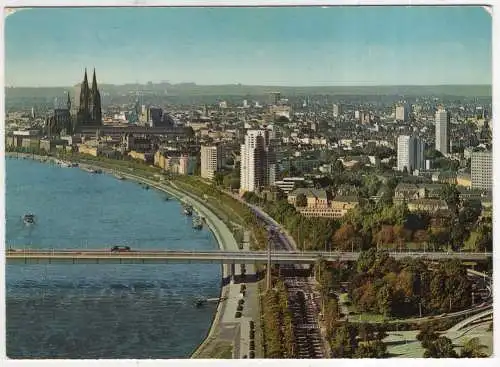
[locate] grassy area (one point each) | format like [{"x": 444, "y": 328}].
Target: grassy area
[
  {"x": 222, "y": 351},
  {"x": 344, "y": 298},
  {"x": 216, "y": 350},
  {"x": 355, "y": 315},
  {"x": 470, "y": 242}
]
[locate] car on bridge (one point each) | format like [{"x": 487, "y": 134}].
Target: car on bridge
[{"x": 120, "y": 249}]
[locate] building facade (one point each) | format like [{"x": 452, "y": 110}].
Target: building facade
[
  {"x": 402, "y": 113},
  {"x": 482, "y": 170},
  {"x": 211, "y": 160},
  {"x": 337, "y": 110},
  {"x": 60, "y": 121},
  {"x": 258, "y": 164},
  {"x": 410, "y": 153},
  {"x": 442, "y": 119}
]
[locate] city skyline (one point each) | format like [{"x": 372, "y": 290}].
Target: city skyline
[{"x": 215, "y": 46}]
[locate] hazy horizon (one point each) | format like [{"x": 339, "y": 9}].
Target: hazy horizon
[
  {"x": 257, "y": 85},
  {"x": 271, "y": 47}
]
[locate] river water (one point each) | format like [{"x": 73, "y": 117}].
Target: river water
[{"x": 101, "y": 311}]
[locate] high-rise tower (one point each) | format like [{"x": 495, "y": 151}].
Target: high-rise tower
[
  {"x": 442, "y": 130},
  {"x": 258, "y": 168},
  {"x": 410, "y": 153}
]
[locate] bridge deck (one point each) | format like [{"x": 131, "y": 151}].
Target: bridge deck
[{"x": 240, "y": 257}]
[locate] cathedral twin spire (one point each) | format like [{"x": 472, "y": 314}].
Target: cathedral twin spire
[{"x": 89, "y": 112}]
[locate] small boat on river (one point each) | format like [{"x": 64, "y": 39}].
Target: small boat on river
[
  {"x": 200, "y": 302},
  {"x": 29, "y": 219},
  {"x": 188, "y": 210},
  {"x": 197, "y": 223}
]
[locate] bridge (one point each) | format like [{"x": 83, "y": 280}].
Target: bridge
[{"x": 77, "y": 256}]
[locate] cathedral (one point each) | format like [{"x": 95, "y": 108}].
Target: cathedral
[
  {"x": 60, "y": 120},
  {"x": 89, "y": 112}
]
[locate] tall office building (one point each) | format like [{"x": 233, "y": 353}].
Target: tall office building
[
  {"x": 274, "y": 98},
  {"x": 258, "y": 166},
  {"x": 337, "y": 110},
  {"x": 211, "y": 161},
  {"x": 442, "y": 119},
  {"x": 155, "y": 116},
  {"x": 403, "y": 113},
  {"x": 410, "y": 153},
  {"x": 481, "y": 169}
]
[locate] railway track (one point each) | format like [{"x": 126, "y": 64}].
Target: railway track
[{"x": 303, "y": 303}]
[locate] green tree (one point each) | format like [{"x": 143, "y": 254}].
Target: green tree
[
  {"x": 371, "y": 349},
  {"x": 384, "y": 299},
  {"x": 450, "y": 194},
  {"x": 301, "y": 200},
  {"x": 381, "y": 332},
  {"x": 366, "y": 260},
  {"x": 219, "y": 178},
  {"x": 338, "y": 167},
  {"x": 344, "y": 341},
  {"x": 427, "y": 334},
  {"x": 442, "y": 347},
  {"x": 344, "y": 236},
  {"x": 473, "y": 349}
]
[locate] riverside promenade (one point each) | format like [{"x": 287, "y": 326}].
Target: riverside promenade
[{"x": 223, "y": 338}]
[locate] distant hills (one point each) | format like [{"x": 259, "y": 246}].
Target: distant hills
[
  {"x": 191, "y": 89},
  {"x": 23, "y": 98}
]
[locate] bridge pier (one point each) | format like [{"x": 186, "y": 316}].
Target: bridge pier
[{"x": 232, "y": 272}]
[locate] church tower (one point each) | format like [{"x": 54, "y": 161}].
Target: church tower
[
  {"x": 95, "y": 108},
  {"x": 89, "y": 110},
  {"x": 68, "y": 103},
  {"x": 83, "y": 115}
]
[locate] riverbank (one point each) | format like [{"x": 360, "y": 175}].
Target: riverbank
[{"x": 222, "y": 335}]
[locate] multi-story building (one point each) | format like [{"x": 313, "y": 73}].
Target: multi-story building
[
  {"x": 187, "y": 164},
  {"x": 337, "y": 110},
  {"x": 442, "y": 127},
  {"x": 403, "y": 113},
  {"x": 319, "y": 203},
  {"x": 288, "y": 184},
  {"x": 155, "y": 116},
  {"x": 410, "y": 153},
  {"x": 481, "y": 170},
  {"x": 60, "y": 120},
  {"x": 258, "y": 164},
  {"x": 211, "y": 160}
]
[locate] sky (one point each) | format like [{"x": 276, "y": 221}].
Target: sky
[{"x": 252, "y": 46}]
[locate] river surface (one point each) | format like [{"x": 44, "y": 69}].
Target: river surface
[{"x": 101, "y": 311}]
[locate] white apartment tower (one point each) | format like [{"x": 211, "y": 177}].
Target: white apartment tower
[
  {"x": 258, "y": 168},
  {"x": 442, "y": 127},
  {"x": 410, "y": 153},
  {"x": 337, "y": 110},
  {"x": 403, "y": 112},
  {"x": 211, "y": 161},
  {"x": 481, "y": 170}
]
